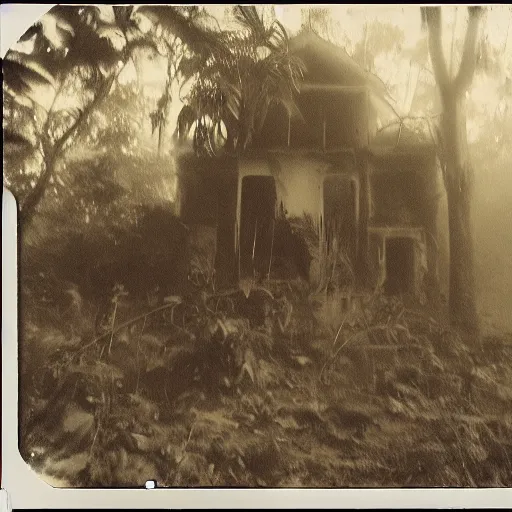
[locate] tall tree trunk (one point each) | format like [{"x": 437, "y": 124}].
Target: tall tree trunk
[
  {"x": 28, "y": 207},
  {"x": 458, "y": 171},
  {"x": 459, "y": 189}
]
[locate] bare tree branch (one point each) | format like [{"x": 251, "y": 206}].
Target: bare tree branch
[
  {"x": 452, "y": 51},
  {"x": 407, "y": 118},
  {"x": 468, "y": 62},
  {"x": 55, "y": 153},
  {"x": 79, "y": 123},
  {"x": 433, "y": 19}
]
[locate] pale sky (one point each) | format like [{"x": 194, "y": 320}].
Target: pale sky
[
  {"x": 406, "y": 16},
  {"x": 353, "y": 17},
  {"x": 351, "y": 20}
]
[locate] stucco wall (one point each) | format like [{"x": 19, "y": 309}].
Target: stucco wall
[
  {"x": 407, "y": 191},
  {"x": 299, "y": 180}
]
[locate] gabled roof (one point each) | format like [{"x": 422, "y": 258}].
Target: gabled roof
[
  {"x": 332, "y": 63},
  {"x": 329, "y": 64}
]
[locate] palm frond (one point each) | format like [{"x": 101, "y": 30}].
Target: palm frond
[
  {"x": 32, "y": 31},
  {"x": 15, "y": 141},
  {"x": 280, "y": 34},
  {"x": 65, "y": 18},
  {"x": 92, "y": 37},
  {"x": 198, "y": 38},
  {"x": 186, "y": 119},
  {"x": 188, "y": 66},
  {"x": 123, "y": 15},
  {"x": 236, "y": 86},
  {"x": 28, "y": 69},
  {"x": 247, "y": 16},
  {"x": 27, "y": 81}
]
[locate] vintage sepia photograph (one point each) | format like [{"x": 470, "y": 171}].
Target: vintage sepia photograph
[{"x": 263, "y": 246}]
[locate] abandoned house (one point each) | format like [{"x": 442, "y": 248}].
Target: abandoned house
[{"x": 337, "y": 194}]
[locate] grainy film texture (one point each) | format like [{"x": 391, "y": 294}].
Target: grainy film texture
[{"x": 264, "y": 246}]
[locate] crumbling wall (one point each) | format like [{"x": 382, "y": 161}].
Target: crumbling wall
[
  {"x": 197, "y": 187},
  {"x": 299, "y": 185},
  {"x": 382, "y": 240},
  {"x": 207, "y": 206},
  {"x": 405, "y": 193}
]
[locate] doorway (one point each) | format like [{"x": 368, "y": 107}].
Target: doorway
[
  {"x": 258, "y": 207},
  {"x": 340, "y": 214},
  {"x": 399, "y": 266}
]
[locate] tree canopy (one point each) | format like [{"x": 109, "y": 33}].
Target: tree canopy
[{"x": 84, "y": 80}]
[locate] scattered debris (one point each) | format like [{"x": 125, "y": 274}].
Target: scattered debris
[{"x": 207, "y": 399}]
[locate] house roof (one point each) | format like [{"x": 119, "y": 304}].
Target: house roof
[{"x": 331, "y": 64}]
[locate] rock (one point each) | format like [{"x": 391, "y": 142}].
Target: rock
[
  {"x": 77, "y": 421},
  {"x": 288, "y": 422},
  {"x": 302, "y": 360},
  {"x": 144, "y": 443}
]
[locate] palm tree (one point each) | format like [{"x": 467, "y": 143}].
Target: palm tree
[{"x": 245, "y": 73}]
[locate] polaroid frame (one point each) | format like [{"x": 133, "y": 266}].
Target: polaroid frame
[{"x": 21, "y": 487}]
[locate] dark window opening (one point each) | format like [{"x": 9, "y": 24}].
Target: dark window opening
[
  {"x": 308, "y": 131},
  {"x": 399, "y": 266},
  {"x": 340, "y": 230},
  {"x": 340, "y": 120},
  {"x": 275, "y": 129},
  {"x": 328, "y": 120},
  {"x": 290, "y": 256},
  {"x": 257, "y": 225},
  {"x": 225, "y": 264},
  {"x": 269, "y": 247},
  {"x": 340, "y": 214}
]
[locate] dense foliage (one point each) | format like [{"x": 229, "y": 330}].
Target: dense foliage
[{"x": 134, "y": 367}]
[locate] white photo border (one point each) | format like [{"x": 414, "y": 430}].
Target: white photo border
[{"x": 26, "y": 490}]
